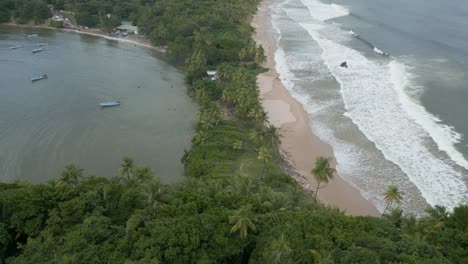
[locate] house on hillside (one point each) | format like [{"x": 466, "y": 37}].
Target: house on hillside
[
  {"x": 128, "y": 28},
  {"x": 213, "y": 75}
]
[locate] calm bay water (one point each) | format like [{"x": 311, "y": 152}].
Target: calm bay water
[
  {"x": 50, "y": 123},
  {"x": 397, "y": 114}
]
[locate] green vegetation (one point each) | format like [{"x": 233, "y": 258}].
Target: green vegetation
[
  {"x": 237, "y": 205},
  {"x": 24, "y": 11},
  {"x": 56, "y": 24},
  {"x": 133, "y": 218}
]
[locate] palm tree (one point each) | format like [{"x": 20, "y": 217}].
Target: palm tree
[
  {"x": 126, "y": 167},
  {"x": 257, "y": 136},
  {"x": 278, "y": 251},
  {"x": 257, "y": 114},
  {"x": 237, "y": 145},
  {"x": 212, "y": 187},
  {"x": 264, "y": 156},
  {"x": 242, "y": 221},
  {"x": 272, "y": 137},
  {"x": 437, "y": 216},
  {"x": 322, "y": 172},
  {"x": 264, "y": 194},
  {"x": 143, "y": 174},
  {"x": 71, "y": 175},
  {"x": 296, "y": 198},
  {"x": 392, "y": 194},
  {"x": 201, "y": 95},
  {"x": 153, "y": 193},
  {"x": 200, "y": 137},
  {"x": 240, "y": 74},
  {"x": 241, "y": 184}
]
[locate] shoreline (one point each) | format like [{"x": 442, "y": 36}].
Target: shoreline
[
  {"x": 300, "y": 146},
  {"x": 96, "y": 33}
]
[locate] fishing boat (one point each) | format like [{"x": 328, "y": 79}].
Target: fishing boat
[
  {"x": 38, "y": 78},
  {"x": 16, "y": 47},
  {"x": 110, "y": 103},
  {"x": 38, "y": 50}
]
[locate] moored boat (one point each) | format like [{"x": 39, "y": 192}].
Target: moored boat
[
  {"x": 110, "y": 103},
  {"x": 43, "y": 76},
  {"x": 16, "y": 47},
  {"x": 41, "y": 44},
  {"x": 38, "y": 50},
  {"x": 32, "y": 35}
]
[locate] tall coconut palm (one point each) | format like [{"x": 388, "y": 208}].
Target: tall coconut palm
[
  {"x": 258, "y": 115},
  {"x": 278, "y": 251},
  {"x": 240, "y": 74},
  {"x": 257, "y": 136},
  {"x": 241, "y": 184},
  {"x": 143, "y": 174},
  {"x": 212, "y": 187},
  {"x": 272, "y": 137},
  {"x": 242, "y": 221},
  {"x": 265, "y": 157},
  {"x": 438, "y": 215},
  {"x": 153, "y": 192},
  {"x": 71, "y": 175},
  {"x": 322, "y": 172},
  {"x": 392, "y": 194},
  {"x": 126, "y": 167}
]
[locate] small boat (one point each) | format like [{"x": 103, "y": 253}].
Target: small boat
[
  {"x": 32, "y": 35},
  {"x": 38, "y": 50},
  {"x": 16, "y": 47},
  {"x": 35, "y": 79},
  {"x": 41, "y": 44},
  {"x": 110, "y": 103}
]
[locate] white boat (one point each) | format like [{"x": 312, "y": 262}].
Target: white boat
[
  {"x": 32, "y": 35},
  {"x": 41, "y": 44},
  {"x": 110, "y": 103},
  {"x": 38, "y": 50},
  {"x": 38, "y": 78}
]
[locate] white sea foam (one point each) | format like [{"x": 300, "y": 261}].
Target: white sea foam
[
  {"x": 323, "y": 12},
  {"x": 375, "y": 99},
  {"x": 445, "y": 136},
  {"x": 374, "y": 105},
  {"x": 351, "y": 160},
  {"x": 376, "y": 50}
]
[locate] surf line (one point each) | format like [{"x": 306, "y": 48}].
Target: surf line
[{"x": 368, "y": 43}]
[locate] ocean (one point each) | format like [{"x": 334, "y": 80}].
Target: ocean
[
  {"x": 397, "y": 114},
  {"x": 47, "y": 124}
]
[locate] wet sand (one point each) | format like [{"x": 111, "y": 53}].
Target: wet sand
[{"x": 300, "y": 146}]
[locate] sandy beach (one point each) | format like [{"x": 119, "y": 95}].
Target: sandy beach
[
  {"x": 132, "y": 40},
  {"x": 300, "y": 146}
]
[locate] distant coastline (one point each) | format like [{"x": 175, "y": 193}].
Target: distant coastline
[{"x": 96, "y": 33}]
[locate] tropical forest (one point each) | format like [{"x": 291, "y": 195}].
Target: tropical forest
[{"x": 237, "y": 203}]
